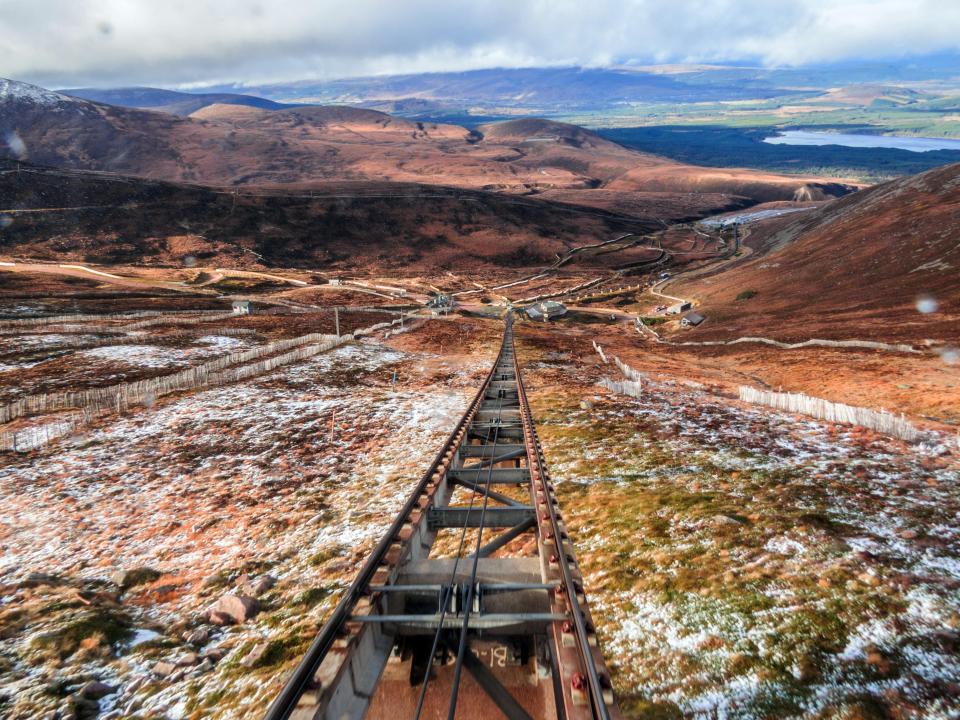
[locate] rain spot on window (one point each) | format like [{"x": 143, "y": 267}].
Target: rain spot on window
[{"x": 927, "y": 304}]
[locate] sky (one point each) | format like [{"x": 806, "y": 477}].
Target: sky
[{"x": 192, "y": 43}]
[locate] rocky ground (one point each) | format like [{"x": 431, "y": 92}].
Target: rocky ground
[
  {"x": 744, "y": 563},
  {"x": 174, "y": 562}
]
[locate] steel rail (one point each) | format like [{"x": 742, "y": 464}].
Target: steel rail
[
  {"x": 445, "y": 600},
  {"x": 535, "y": 456},
  {"x": 468, "y": 606},
  {"x": 302, "y": 678}
]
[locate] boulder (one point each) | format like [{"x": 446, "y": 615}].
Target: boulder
[
  {"x": 188, "y": 660},
  {"x": 198, "y": 636},
  {"x": 164, "y": 668},
  {"x": 257, "y": 586},
  {"x": 214, "y": 655},
  {"x": 253, "y": 657},
  {"x": 84, "y": 708},
  {"x": 218, "y": 618},
  {"x": 134, "y": 576},
  {"x": 205, "y": 666},
  {"x": 233, "y": 609},
  {"x": 94, "y": 690}
]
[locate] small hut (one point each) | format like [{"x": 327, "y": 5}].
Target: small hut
[{"x": 545, "y": 311}]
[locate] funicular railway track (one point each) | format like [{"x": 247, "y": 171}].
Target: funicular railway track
[{"x": 476, "y": 573}]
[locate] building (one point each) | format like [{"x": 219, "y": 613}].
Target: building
[
  {"x": 544, "y": 311},
  {"x": 679, "y": 308},
  {"x": 440, "y": 301},
  {"x": 242, "y": 307},
  {"x": 692, "y": 319}
]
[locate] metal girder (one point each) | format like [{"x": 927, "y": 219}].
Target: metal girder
[
  {"x": 478, "y": 621},
  {"x": 492, "y": 476},
  {"x": 498, "y": 451},
  {"x": 489, "y": 493},
  {"x": 494, "y": 688},
  {"x": 502, "y": 539},
  {"x": 455, "y": 517}
]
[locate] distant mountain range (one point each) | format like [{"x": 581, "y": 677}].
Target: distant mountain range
[
  {"x": 170, "y": 101},
  {"x": 559, "y": 90},
  {"x": 231, "y": 144},
  {"x": 526, "y": 87}
]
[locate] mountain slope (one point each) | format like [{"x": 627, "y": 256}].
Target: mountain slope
[
  {"x": 93, "y": 217},
  {"x": 224, "y": 144},
  {"x": 856, "y": 267},
  {"x": 568, "y": 87},
  {"x": 171, "y": 101}
]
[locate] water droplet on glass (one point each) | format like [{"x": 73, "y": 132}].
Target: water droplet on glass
[
  {"x": 5, "y": 221},
  {"x": 189, "y": 260},
  {"x": 104, "y": 28},
  {"x": 16, "y": 144},
  {"x": 950, "y": 355},
  {"x": 927, "y": 304}
]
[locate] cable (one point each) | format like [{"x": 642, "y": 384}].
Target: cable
[
  {"x": 462, "y": 646},
  {"x": 445, "y": 598}
]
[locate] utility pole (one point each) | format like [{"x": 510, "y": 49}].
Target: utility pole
[{"x": 336, "y": 320}]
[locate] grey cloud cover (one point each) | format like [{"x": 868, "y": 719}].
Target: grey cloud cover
[{"x": 178, "y": 42}]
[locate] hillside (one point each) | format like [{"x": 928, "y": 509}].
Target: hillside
[
  {"x": 90, "y": 217},
  {"x": 224, "y": 144},
  {"x": 170, "y": 101},
  {"x": 856, "y": 267}
]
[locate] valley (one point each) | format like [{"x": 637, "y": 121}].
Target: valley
[{"x": 237, "y": 328}]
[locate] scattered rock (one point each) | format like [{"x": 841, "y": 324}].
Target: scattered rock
[
  {"x": 255, "y": 587},
  {"x": 211, "y": 581},
  {"x": 253, "y": 657},
  {"x": 188, "y": 659},
  {"x": 164, "y": 668},
  {"x": 585, "y": 404},
  {"x": 94, "y": 690},
  {"x": 197, "y": 637},
  {"x": 214, "y": 655},
  {"x": 233, "y": 609},
  {"x": 84, "y": 708},
  {"x": 879, "y": 661},
  {"x": 868, "y": 579},
  {"x": 909, "y": 534},
  {"x": 135, "y": 576},
  {"x": 219, "y": 618},
  {"x": 132, "y": 706},
  {"x": 720, "y": 520},
  {"x": 262, "y": 584}
]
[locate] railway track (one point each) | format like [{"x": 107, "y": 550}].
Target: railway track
[{"x": 476, "y": 573}]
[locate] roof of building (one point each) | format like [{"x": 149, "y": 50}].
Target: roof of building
[
  {"x": 547, "y": 309},
  {"x": 694, "y": 318}
]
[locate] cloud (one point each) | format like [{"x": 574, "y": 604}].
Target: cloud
[{"x": 60, "y": 43}]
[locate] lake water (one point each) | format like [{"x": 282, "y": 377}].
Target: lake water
[{"x": 812, "y": 137}]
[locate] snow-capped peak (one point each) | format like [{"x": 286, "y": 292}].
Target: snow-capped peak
[{"x": 11, "y": 90}]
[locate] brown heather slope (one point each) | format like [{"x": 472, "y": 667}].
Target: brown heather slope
[
  {"x": 854, "y": 268},
  {"x": 71, "y": 215},
  {"x": 237, "y": 145}
]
